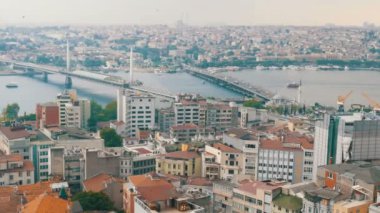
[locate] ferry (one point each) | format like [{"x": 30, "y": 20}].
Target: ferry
[
  {"x": 11, "y": 85},
  {"x": 293, "y": 85}
]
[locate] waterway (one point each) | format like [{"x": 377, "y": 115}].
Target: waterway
[{"x": 318, "y": 86}]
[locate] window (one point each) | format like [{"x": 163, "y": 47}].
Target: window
[
  {"x": 231, "y": 171},
  {"x": 308, "y": 154},
  {"x": 330, "y": 175}
]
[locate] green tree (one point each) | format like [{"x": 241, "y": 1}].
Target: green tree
[
  {"x": 99, "y": 114},
  {"x": 110, "y": 111},
  {"x": 10, "y": 112},
  {"x": 254, "y": 103},
  {"x": 92, "y": 201},
  {"x": 111, "y": 138}
]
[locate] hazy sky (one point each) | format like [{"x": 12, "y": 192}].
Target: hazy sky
[{"x": 200, "y": 12}]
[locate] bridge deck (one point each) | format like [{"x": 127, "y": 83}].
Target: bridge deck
[{"x": 232, "y": 84}]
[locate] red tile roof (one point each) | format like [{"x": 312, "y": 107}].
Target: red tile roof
[
  {"x": 198, "y": 181},
  {"x": 252, "y": 186},
  {"x": 182, "y": 155},
  {"x": 143, "y": 151},
  {"x": 47, "y": 203},
  {"x": 184, "y": 127},
  {"x": 152, "y": 187},
  {"x": 99, "y": 182},
  {"x": 14, "y": 133},
  {"x": 225, "y": 148},
  {"x": 11, "y": 158}
]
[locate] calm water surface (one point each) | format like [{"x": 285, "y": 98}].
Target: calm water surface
[{"x": 318, "y": 86}]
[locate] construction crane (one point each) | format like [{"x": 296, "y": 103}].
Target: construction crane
[
  {"x": 340, "y": 101},
  {"x": 374, "y": 104}
]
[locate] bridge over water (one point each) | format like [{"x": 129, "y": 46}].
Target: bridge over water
[
  {"x": 242, "y": 88},
  {"x": 38, "y": 69}
]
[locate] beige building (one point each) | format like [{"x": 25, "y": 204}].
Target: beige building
[
  {"x": 222, "y": 162},
  {"x": 348, "y": 206},
  {"x": 255, "y": 196},
  {"x": 180, "y": 163},
  {"x": 14, "y": 170}
]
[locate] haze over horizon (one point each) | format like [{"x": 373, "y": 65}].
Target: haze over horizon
[{"x": 195, "y": 12}]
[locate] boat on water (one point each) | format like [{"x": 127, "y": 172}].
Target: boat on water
[
  {"x": 293, "y": 85},
  {"x": 11, "y": 85}
]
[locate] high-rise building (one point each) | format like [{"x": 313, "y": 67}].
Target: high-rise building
[
  {"x": 64, "y": 98},
  {"x": 77, "y": 113},
  {"x": 136, "y": 110},
  {"x": 343, "y": 137}
]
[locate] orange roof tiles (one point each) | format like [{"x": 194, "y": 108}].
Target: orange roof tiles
[
  {"x": 99, "y": 182},
  {"x": 182, "y": 155},
  {"x": 10, "y": 158},
  {"x": 184, "y": 126},
  {"x": 14, "y": 133},
  {"x": 225, "y": 148},
  {"x": 143, "y": 151},
  {"x": 198, "y": 181},
  {"x": 31, "y": 191},
  {"x": 152, "y": 187},
  {"x": 10, "y": 201},
  {"x": 45, "y": 203},
  {"x": 252, "y": 186}
]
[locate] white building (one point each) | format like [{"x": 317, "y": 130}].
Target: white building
[
  {"x": 250, "y": 116},
  {"x": 186, "y": 111},
  {"x": 246, "y": 142},
  {"x": 62, "y": 99},
  {"x": 136, "y": 110},
  {"x": 287, "y": 159},
  {"x": 326, "y": 146},
  {"x": 15, "y": 140},
  {"x": 222, "y": 162},
  {"x": 14, "y": 170},
  {"x": 72, "y": 115}
]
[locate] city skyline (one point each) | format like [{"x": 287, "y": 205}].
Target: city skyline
[{"x": 195, "y": 12}]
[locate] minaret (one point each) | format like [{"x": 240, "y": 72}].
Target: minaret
[
  {"x": 67, "y": 54},
  {"x": 299, "y": 93},
  {"x": 130, "y": 67}
]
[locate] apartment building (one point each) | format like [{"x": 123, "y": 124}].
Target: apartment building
[
  {"x": 40, "y": 150},
  {"x": 248, "y": 143},
  {"x": 14, "y": 170},
  {"x": 187, "y": 111},
  {"x": 16, "y": 140},
  {"x": 221, "y": 116},
  {"x": 184, "y": 133},
  {"x": 66, "y": 97},
  {"x": 136, "y": 161},
  {"x": 47, "y": 115},
  {"x": 77, "y": 114},
  {"x": 255, "y": 196},
  {"x": 136, "y": 110},
  {"x": 181, "y": 163},
  {"x": 288, "y": 158},
  {"x": 225, "y": 160},
  {"x": 165, "y": 119},
  {"x": 250, "y": 116}
]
